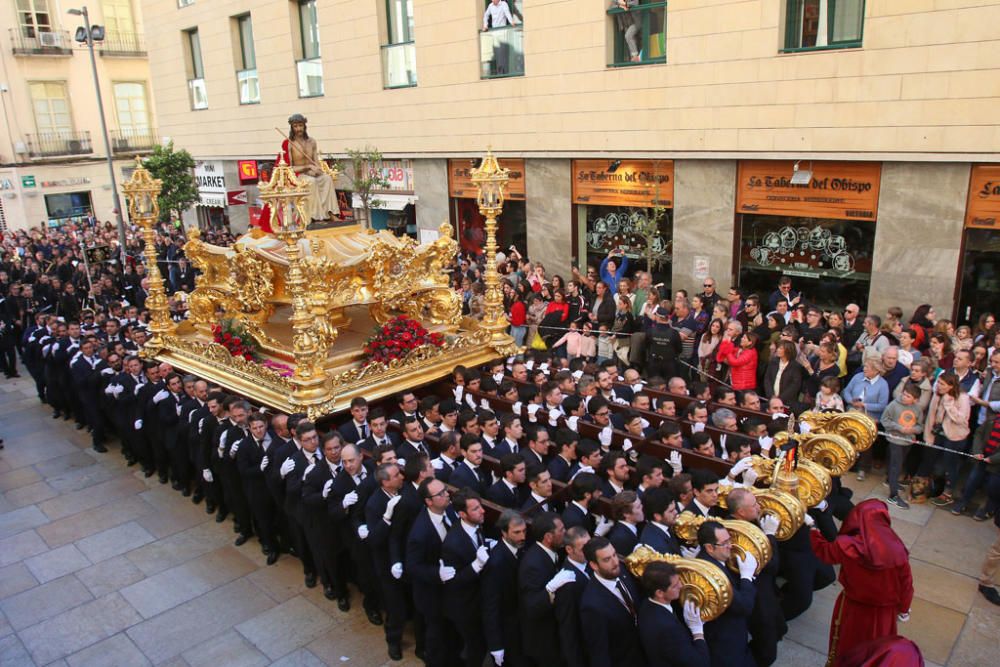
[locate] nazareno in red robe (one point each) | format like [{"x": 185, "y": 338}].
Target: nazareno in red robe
[{"x": 875, "y": 574}]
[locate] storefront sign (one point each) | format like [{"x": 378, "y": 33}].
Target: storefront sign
[
  {"x": 398, "y": 174},
  {"x": 838, "y": 190},
  {"x": 27, "y": 181},
  {"x": 637, "y": 183},
  {"x": 6, "y": 184},
  {"x": 248, "y": 172},
  {"x": 983, "y": 209},
  {"x": 460, "y": 183},
  {"x": 211, "y": 182},
  {"x": 236, "y": 198},
  {"x": 65, "y": 182}
]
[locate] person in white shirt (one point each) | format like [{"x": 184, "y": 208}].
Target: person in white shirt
[{"x": 497, "y": 15}]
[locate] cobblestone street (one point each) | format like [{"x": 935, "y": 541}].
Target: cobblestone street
[{"x": 99, "y": 566}]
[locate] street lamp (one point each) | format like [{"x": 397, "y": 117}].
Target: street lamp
[{"x": 89, "y": 35}]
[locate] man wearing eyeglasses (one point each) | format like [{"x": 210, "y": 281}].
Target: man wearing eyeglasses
[
  {"x": 709, "y": 297},
  {"x": 727, "y": 636}
]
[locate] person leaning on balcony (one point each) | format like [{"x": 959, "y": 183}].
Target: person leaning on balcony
[
  {"x": 497, "y": 15},
  {"x": 628, "y": 23}
]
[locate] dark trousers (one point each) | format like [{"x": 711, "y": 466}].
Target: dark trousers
[
  {"x": 262, "y": 510},
  {"x": 470, "y": 629},
  {"x": 394, "y": 598},
  {"x": 936, "y": 462},
  {"x": 300, "y": 544},
  {"x": 897, "y": 456},
  {"x": 364, "y": 575},
  {"x": 803, "y": 575},
  {"x": 236, "y": 501},
  {"x": 978, "y": 477}
]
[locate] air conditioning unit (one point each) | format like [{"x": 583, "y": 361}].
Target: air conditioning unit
[{"x": 50, "y": 39}]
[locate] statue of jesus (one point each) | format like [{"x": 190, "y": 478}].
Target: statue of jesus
[{"x": 302, "y": 154}]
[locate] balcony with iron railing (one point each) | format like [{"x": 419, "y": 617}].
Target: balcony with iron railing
[
  {"x": 59, "y": 144},
  {"x": 122, "y": 45},
  {"x": 27, "y": 41},
  {"x": 129, "y": 141}
]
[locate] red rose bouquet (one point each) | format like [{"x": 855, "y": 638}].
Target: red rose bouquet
[
  {"x": 231, "y": 335},
  {"x": 397, "y": 338}
]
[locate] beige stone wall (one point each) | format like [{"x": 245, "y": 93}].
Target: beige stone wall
[
  {"x": 704, "y": 221},
  {"x": 926, "y": 81},
  {"x": 430, "y": 178},
  {"x": 918, "y": 236}
]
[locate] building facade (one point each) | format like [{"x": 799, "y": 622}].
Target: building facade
[
  {"x": 851, "y": 144},
  {"x": 52, "y": 152}
]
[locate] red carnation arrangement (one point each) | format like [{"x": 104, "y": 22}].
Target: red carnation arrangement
[
  {"x": 397, "y": 338},
  {"x": 232, "y": 336}
]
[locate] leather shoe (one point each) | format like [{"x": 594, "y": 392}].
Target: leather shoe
[
  {"x": 328, "y": 593},
  {"x": 311, "y": 580},
  {"x": 209, "y": 508},
  {"x": 100, "y": 449},
  {"x": 177, "y": 486},
  {"x": 344, "y": 603},
  {"x": 990, "y": 594},
  {"x": 148, "y": 473},
  {"x": 272, "y": 558},
  {"x": 241, "y": 540},
  {"x": 186, "y": 492},
  {"x": 197, "y": 497},
  {"x": 220, "y": 517},
  {"x": 164, "y": 479},
  {"x": 395, "y": 652},
  {"x": 374, "y": 617}
]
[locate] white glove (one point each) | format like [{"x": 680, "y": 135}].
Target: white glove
[
  {"x": 750, "y": 478},
  {"x": 490, "y": 543},
  {"x": 137, "y": 424},
  {"x": 804, "y": 427},
  {"x": 562, "y": 578},
  {"x": 497, "y": 657},
  {"x": 516, "y": 408},
  {"x": 327, "y": 487},
  {"x": 904, "y": 617},
  {"x": 118, "y": 389},
  {"x": 263, "y": 464},
  {"x": 809, "y": 521},
  {"x": 458, "y": 392},
  {"x": 363, "y": 532},
  {"x": 437, "y": 464},
  {"x": 396, "y": 570},
  {"x": 498, "y": 377},
  {"x": 747, "y": 565},
  {"x": 822, "y": 505},
  {"x": 533, "y": 409},
  {"x": 740, "y": 467},
  {"x": 769, "y": 524},
  {"x": 692, "y": 618},
  {"x": 620, "y": 401},
  {"x": 605, "y": 437},
  {"x": 627, "y": 445},
  {"x": 445, "y": 572},
  {"x": 530, "y": 363},
  {"x": 107, "y": 371},
  {"x": 675, "y": 462},
  {"x": 286, "y": 467},
  {"x": 482, "y": 555},
  {"x": 206, "y": 475},
  {"x": 110, "y": 390},
  {"x": 390, "y": 507},
  {"x": 766, "y": 443},
  {"x": 603, "y": 526},
  {"x": 697, "y": 427},
  {"x": 235, "y": 448},
  {"x": 484, "y": 404},
  {"x": 160, "y": 395},
  {"x": 689, "y": 552},
  {"x": 138, "y": 386},
  {"x": 553, "y": 418},
  {"x": 571, "y": 423},
  {"x": 309, "y": 469},
  {"x": 349, "y": 499}
]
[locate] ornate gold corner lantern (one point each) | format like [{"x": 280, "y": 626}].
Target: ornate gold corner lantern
[
  {"x": 491, "y": 179},
  {"x": 285, "y": 197},
  {"x": 142, "y": 192}
]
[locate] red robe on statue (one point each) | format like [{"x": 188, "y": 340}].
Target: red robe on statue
[
  {"x": 875, "y": 574},
  {"x": 265, "y": 212}
]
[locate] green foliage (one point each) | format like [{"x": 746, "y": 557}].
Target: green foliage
[
  {"x": 176, "y": 170},
  {"x": 365, "y": 175}
]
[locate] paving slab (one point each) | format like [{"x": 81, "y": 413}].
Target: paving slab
[
  {"x": 182, "y": 546},
  {"x": 92, "y": 521},
  {"x": 289, "y": 626},
  {"x": 93, "y": 496},
  {"x": 61, "y": 465},
  {"x": 115, "y": 651},
  {"x": 14, "y": 579},
  {"x": 21, "y": 546},
  {"x": 934, "y": 628},
  {"x": 114, "y": 541},
  {"x": 44, "y": 602},
  {"x": 78, "y": 628},
  {"x": 109, "y": 575},
  {"x": 305, "y": 658},
  {"x": 25, "y": 518},
  {"x": 943, "y": 587},
  {"x": 30, "y": 494},
  {"x": 15, "y": 479},
  {"x": 13, "y": 653},
  {"x": 229, "y": 649},
  {"x": 57, "y": 563}
]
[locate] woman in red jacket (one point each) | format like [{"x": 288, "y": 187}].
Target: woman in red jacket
[
  {"x": 742, "y": 361},
  {"x": 518, "y": 318}
]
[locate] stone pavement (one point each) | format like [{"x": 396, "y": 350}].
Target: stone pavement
[{"x": 99, "y": 566}]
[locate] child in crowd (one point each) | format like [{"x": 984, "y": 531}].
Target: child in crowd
[
  {"x": 571, "y": 342},
  {"x": 903, "y": 421},
  {"x": 588, "y": 345},
  {"x": 605, "y": 344},
  {"x": 829, "y": 395},
  {"x": 963, "y": 338}
]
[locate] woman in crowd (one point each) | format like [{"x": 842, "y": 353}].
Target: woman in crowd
[
  {"x": 822, "y": 365},
  {"x": 922, "y": 323},
  {"x": 947, "y": 426},
  {"x": 984, "y": 327},
  {"x": 623, "y": 327},
  {"x": 517, "y": 314},
  {"x": 940, "y": 352},
  {"x": 707, "y": 347},
  {"x": 784, "y": 376}
]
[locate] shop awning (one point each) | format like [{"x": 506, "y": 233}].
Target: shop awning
[
  {"x": 212, "y": 200},
  {"x": 388, "y": 202}
]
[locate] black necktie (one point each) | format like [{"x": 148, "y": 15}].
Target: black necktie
[
  {"x": 446, "y": 521},
  {"x": 480, "y": 542},
  {"x": 364, "y": 431},
  {"x": 625, "y": 596}
]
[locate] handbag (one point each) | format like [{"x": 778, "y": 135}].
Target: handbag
[{"x": 538, "y": 343}]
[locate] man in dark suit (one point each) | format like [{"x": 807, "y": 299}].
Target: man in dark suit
[
  {"x": 513, "y": 431},
  {"x": 616, "y": 474},
  {"x": 323, "y": 534},
  {"x": 291, "y": 471},
  {"x": 449, "y": 456},
  {"x": 609, "y": 610},
  {"x": 539, "y": 578},
  {"x": 466, "y": 549},
  {"x": 537, "y": 451},
  {"x": 664, "y": 637},
  {"x": 86, "y": 369},
  {"x": 356, "y": 429},
  {"x": 427, "y": 570},
  {"x": 235, "y": 429},
  {"x": 413, "y": 440},
  {"x": 563, "y": 465},
  {"x": 509, "y": 490},
  {"x": 499, "y": 590},
  {"x": 408, "y": 404},
  {"x": 379, "y": 515},
  {"x": 145, "y": 421},
  {"x": 584, "y": 490},
  {"x": 415, "y": 471},
  {"x": 567, "y": 598},
  {"x": 169, "y": 417},
  {"x": 802, "y": 571},
  {"x": 378, "y": 433},
  {"x": 727, "y": 635},
  {"x": 706, "y": 494},
  {"x": 470, "y": 474},
  {"x": 660, "y": 510},
  {"x": 540, "y": 485},
  {"x": 205, "y": 429},
  {"x": 767, "y": 624},
  {"x": 251, "y": 466},
  {"x": 193, "y": 409},
  {"x": 626, "y": 510}
]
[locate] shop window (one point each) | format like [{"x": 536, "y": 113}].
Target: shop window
[
  {"x": 823, "y": 24},
  {"x": 195, "y": 70},
  {"x": 309, "y": 66},
  {"x": 830, "y": 261},
  {"x": 68, "y": 207},
  {"x": 246, "y": 76},
  {"x": 399, "y": 52},
  {"x": 640, "y": 32},
  {"x": 643, "y": 233},
  {"x": 501, "y": 40},
  {"x": 980, "y": 279}
]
